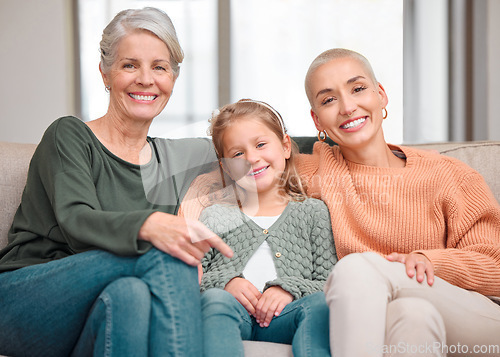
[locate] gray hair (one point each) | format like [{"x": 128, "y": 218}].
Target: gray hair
[
  {"x": 150, "y": 19},
  {"x": 330, "y": 55}
]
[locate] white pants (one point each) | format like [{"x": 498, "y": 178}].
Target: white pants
[{"x": 377, "y": 310}]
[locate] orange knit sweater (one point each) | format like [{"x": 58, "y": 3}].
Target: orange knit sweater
[{"x": 435, "y": 205}]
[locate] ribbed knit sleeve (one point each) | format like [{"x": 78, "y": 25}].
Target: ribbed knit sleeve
[
  {"x": 308, "y": 165},
  {"x": 472, "y": 256},
  {"x": 203, "y": 192}
]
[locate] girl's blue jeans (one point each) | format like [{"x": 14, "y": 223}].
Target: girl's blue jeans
[
  {"x": 100, "y": 304},
  {"x": 303, "y": 323}
]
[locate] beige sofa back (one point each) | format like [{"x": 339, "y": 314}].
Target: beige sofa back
[
  {"x": 14, "y": 160},
  {"x": 481, "y": 156}
]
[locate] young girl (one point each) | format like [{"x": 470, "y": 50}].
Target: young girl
[{"x": 271, "y": 290}]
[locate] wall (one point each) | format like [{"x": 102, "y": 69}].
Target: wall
[
  {"x": 37, "y": 67},
  {"x": 493, "y": 70}
]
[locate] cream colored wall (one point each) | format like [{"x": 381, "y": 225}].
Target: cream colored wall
[
  {"x": 493, "y": 70},
  {"x": 36, "y": 66}
]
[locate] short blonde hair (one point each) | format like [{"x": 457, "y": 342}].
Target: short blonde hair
[{"x": 330, "y": 55}]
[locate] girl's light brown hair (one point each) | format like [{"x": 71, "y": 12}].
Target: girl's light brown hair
[{"x": 291, "y": 184}]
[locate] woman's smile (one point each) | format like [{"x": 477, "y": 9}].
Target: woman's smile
[
  {"x": 348, "y": 104},
  {"x": 141, "y": 78},
  {"x": 143, "y": 98},
  {"x": 353, "y": 124}
]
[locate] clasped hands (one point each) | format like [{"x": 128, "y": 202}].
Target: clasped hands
[
  {"x": 416, "y": 264},
  {"x": 263, "y": 306}
]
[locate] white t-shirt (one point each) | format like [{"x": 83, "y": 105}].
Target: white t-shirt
[{"x": 260, "y": 267}]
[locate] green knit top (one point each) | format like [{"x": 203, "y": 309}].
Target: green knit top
[
  {"x": 79, "y": 196},
  {"x": 301, "y": 240}
]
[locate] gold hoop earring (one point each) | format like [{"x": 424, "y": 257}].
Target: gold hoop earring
[
  {"x": 384, "y": 115},
  {"x": 322, "y": 138}
]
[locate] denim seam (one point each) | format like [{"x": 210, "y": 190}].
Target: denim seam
[
  {"x": 286, "y": 311},
  {"x": 106, "y": 299},
  {"x": 246, "y": 320},
  {"x": 173, "y": 320},
  {"x": 308, "y": 334}
]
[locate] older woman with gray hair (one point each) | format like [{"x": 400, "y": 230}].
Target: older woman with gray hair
[{"x": 98, "y": 263}]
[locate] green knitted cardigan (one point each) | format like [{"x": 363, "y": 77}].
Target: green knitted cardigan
[{"x": 301, "y": 241}]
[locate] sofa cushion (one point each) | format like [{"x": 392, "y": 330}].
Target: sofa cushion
[
  {"x": 267, "y": 349},
  {"x": 14, "y": 161}
]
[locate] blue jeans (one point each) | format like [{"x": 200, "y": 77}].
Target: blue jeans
[
  {"x": 303, "y": 323},
  {"x": 97, "y": 303}
]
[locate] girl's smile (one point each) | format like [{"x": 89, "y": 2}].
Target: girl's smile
[
  {"x": 251, "y": 146},
  {"x": 257, "y": 172}
]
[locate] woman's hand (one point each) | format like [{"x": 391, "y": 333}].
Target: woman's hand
[
  {"x": 185, "y": 239},
  {"x": 416, "y": 263},
  {"x": 271, "y": 303},
  {"x": 245, "y": 292}
]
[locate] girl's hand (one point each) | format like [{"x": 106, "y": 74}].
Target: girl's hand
[
  {"x": 272, "y": 302},
  {"x": 245, "y": 292},
  {"x": 416, "y": 263},
  {"x": 185, "y": 239}
]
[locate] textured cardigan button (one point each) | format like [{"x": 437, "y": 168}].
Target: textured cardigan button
[
  {"x": 278, "y": 254},
  {"x": 265, "y": 231}
]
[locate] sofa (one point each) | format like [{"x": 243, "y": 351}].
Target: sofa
[{"x": 15, "y": 157}]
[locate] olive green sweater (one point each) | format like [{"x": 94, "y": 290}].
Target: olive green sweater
[
  {"x": 301, "y": 240},
  {"x": 79, "y": 196}
]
